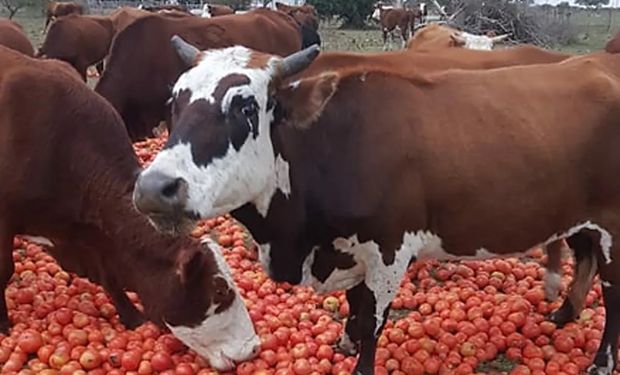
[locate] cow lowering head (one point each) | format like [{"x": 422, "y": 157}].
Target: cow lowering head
[{"x": 203, "y": 308}]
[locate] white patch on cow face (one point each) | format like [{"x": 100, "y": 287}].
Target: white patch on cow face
[
  {"x": 553, "y": 283},
  {"x": 39, "y": 240},
  {"x": 223, "y": 338},
  {"x": 206, "y": 11},
  {"x": 376, "y": 14},
  {"x": 477, "y": 42},
  {"x": 251, "y": 174}
]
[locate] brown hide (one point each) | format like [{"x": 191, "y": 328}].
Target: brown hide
[
  {"x": 138, "y": 85},
  {"x": 220, "y": 10},
  {"x": 457, "y": 58},
  {"x": 79, "y": 40},
  {"x": 432, "y": 37},
  {"x": 12, "y": 36},
  {"x": 123, "y": 17},
  {"x": 60, "y": 9},
  {"x": 67, "y": 169},
  {"x": 304, "y": 14}
]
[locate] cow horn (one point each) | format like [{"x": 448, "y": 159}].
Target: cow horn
[
  {"x": 186, "y": 51},
  {"x": 298, "y": 61},
  {"x": 499, "y": 38}
]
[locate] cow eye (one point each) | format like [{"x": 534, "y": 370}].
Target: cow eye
[{"x": 249, "y": 110}]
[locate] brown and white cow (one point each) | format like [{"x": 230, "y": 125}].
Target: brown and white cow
[
  {"x": 215, "y": 10},
  {"x": 57, "y": 9},
  {"x": 81, "y": 41},
  {"x": 337, "y": 202},
  {"x": 138, "y": 85},
  {"x": 67, "y": 169},
  {"x": 436, "y": 36},
  {"x": 12, "y": 36},
  {"x": 392, "y": 18}
]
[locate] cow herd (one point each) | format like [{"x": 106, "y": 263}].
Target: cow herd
[{"x": 345, "y": 167}]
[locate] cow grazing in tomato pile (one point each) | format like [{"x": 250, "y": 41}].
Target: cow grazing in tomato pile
[
  {"x": 337, "y": 202},
  {"x": 12, "y": 36},
  {"x": 138, "y": 85},
  {"x": 67, "y": 169},
  {"x": 81, "y": 41},
  {"x": 57, "y": 9},
  {"x": 392, "y": 18},
  {"x": 214, "y": 10},
  {"x": 435, "y": 36}
]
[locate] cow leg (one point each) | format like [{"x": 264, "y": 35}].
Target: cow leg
[
  {"x": 385, "y": 39},
  {"x": 553, "y": 278},
  {"x": 350, "y": 339},
  {"x": 129, "y": 315},
  {"x": 585, "y": 269},
  {"x": 369, "y": 327},
  {"x": 7, "y": 268},
  {"x": 606, "y": 357}
]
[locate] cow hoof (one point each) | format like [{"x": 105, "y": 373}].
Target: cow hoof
[
  {"x": 560, "y": 317},
  {"x": 596, "y": 370}
]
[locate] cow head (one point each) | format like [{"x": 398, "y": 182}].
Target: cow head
[
  {"x": 203, "y": 308},
  {"x": 476, "y": 42},
  {"x": 220, "y": 154}
]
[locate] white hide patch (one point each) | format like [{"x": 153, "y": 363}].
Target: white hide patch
[
  {"x": 206, "y": 13},
  {"x": 223, "y": 338},
  {"x": 38, "y": 240},
  {"x": 553, "y": 284},
  {"x": 264, "y": 257},
  {"x": 605, "y": 240},
  {"x": 606, "y": 284},
  {"x": 609, "y": 367},
  {"x": 252, "y": 174},
  {"x": 477, "y": 42}
]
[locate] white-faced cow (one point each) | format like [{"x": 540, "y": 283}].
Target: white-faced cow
[
  {"x": 344, "y": 186},
  {"x": 436, "y": 36},
  {"x": 67, "y": 169}
]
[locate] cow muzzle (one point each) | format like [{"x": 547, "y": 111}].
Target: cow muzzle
[{"x": 162, "y": 198}]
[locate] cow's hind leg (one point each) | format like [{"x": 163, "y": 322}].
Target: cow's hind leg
[
  {"x": 350, "y": 339},
  {"x": 129, "y": 315},
  {"x": 6, "y": 271},
  {"x": 583, "y": 245},
  {"x": 606, "y": 358},
  {"x": 553, "y": 277}
]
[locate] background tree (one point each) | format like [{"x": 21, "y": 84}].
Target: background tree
[
  {"x": 592, "y": 3},
  {"x": 353, "y": 13}
]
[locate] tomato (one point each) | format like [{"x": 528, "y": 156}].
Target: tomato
[
  {"x": 161, "y": 361},
  {"x": 301, "y": 366},
  {"x": 90, "y": 359},
  {"x": 563, "y": 343},
  {"x": 30, "y": 341},
  {"x": 131, "y": 360}
]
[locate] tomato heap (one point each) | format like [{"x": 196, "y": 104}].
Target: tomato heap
[{"x": 447, "y": 318}]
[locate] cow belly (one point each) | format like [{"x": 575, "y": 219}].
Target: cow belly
[{"x": 338, "y": 279}]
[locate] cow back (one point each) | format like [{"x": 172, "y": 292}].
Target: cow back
[{"x": 12, "y": 36}]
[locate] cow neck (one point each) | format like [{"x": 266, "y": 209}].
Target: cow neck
[{"x": 144, "y": 259}]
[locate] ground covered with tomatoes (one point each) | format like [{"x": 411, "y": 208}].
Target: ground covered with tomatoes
[{"x": 448, "y": 318}]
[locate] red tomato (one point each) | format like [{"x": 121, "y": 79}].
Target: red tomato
[
  {"x": 161, "y": 361},
  {"x": 29, "y": 341}
]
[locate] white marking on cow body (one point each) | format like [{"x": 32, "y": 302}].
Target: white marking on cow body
[
  {"x": 605, "y": 240},
  {"x": 606, "y": 284},
  {"x": 609, "y": 367},
  {"x": 38, "y": 240},
  {"x": 264, "y": 257},
  {"x": 251, "y": 174},
  {"x": 339, "y": 279},
  {"x": 223, "y": 338},
  {"x": 553, "y": 283},
  {"x": 206, "y": 11}
]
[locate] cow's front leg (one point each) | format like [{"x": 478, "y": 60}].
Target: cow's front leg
[
  {"x": 7, "y": 268},
  {"x": 129, "y": 315},
  {"x": 350, "y": 339}
]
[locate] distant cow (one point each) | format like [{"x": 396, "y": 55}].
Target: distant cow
[
  {"x": 392, "y": 18},
  {"x": 138, "y": 85},
  {"x": 338, "y": 202},
  {"x": 56, "y": 9},
  {"x": 81, "y": 41},
  {"x": 214, "y": 10},
  {"x": 436, "y": 36},
  {"x": 12, "y": 36},
  {"x": 67, "y": 169}
]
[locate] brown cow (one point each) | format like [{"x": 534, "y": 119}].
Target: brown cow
[
  {"x": 436, "y": 36},
  {"x": 304, "y": 14},
  {"x": 215, "y": 10},
  {"x": 338, "y": 202},
  {"x": 81, "y": 41},
  {"x": 67, "y": 169},
  {"x": 12, "y": 36},
  {"x": 391, "y": 18},
  {"x": 138, "y": 85},
  {"x": 56, "y": 9}
]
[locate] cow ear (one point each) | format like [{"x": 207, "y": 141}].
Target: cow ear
[
  {"x": 190, "y": 266},
  {"x": 303, "y": 101}
]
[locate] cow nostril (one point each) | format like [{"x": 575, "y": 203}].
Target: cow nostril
[{"x": 171, "y": 189}]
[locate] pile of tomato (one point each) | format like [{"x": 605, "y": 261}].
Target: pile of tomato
[{"x": 448, "y": 318}]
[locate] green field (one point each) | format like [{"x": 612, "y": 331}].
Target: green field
[{"x": 592, "y": 29}]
